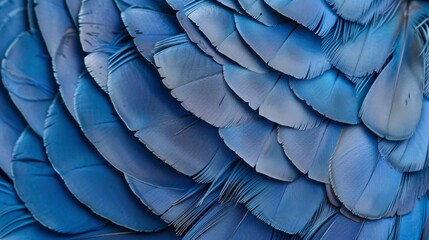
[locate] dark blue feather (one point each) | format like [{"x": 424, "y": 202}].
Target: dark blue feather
[
  {"x": 203, "y": 91},
  {"x": 170, "y": 132},
  {"x": 411, "y": 154},
  {"x": 292, "y": 49},
  {"x": 74, "y": 7},
  {"x": 45, "y": 194},
  {"x": 393, "y": 104},
  {"x": 310, "y": 150},
  {"x": 256, "y": 143},
  {"x": 332, "y": 95},
  {"x": 314, "y": 14},
  {"x": 28, "y": 78},
  {"x": 89, "y": 177},
  {"x": 271, "y": 94},
  {"x": 156, "y": 5},
  {"x": 148, "y": 27},
  {"x": 164, "y": 235},
  {"x": 411, "y": 226},
  {"x": 223, "y": 34}
]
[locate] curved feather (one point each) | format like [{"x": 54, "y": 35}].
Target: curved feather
[
  {"x": 355, "y": 56},
  {"x": 232, "y": 222},
  {"x": 203, "y": 91},
  {"x": 256, "y": 143},
  {"x": 314, "y": 14},
  {"x": 89, "y": 177},
  {"x": 293, "y": 49},
  {"x": 95, "y": 30},
  {"x": 43, "y": 191},
  {"x": 261, "y": 12},
  {"x": 156, "y": 5},
  {"x": 68, "y": 66},
  {"x": 174, "y": 135},
  {"x": 276, "y": 202},
  {"x": 332, "y": 95},
  {"x": 310, "y": 150},
  {"x": 28, "y": 78},
  {"x": 148, "y": 27},
  {"x": 11, "y": 26},
  {"x": 271, "y": 94},
  {"x": 393, "y": 104},
  {"x": 53, "y": 19},
  {"x": 217, "y": 24},
  {"x": 74, "y": 7},
  {"x": 411, "y": 154}
]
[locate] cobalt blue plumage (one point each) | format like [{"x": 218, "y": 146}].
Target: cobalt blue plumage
[{"x": 214, "y": 119}]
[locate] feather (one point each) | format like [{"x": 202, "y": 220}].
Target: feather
[
  {"x": 293, "y": 49},
  {"x": 332, "y": 95},
  {"x": 148, "y": 27},
  {"x": 97, "y": 64},
  {"x": 275, "y": 202},
  {"x": 411, "y": 225},
  {"x": 156, "y": 5},
  {"x": 95, "y": 29},
  {"x": 271, "y": 94},
  {"x": 43, "y": 191},
  {"x": 232, "y": 4},
  {"x": 357, "y": 159},
  {"x": 74, "y": 7},
  {"x": 15, "y": 221},
  {"x": 68, "y": 66},
  {"x": 8, "y": 7},
  {"x": 392, "y": 107},
  {"x": 256, "y": 143},
  {"x": 199, "y": 39},
  {"x": 203, "y": 91},
  {"x": 165, "y": 235},
  {"x": 355, "y": 56},
  {"x": 223, "y": 34},
  {"x": 411, "y": 154},
  {"x": 53, "y": 19},
  {"x": 107, "y": 133},
  {"x": 28, "y": 78},
  {"x": 310, "y": 150},
  {"x": 261, "y": 12},
  {"x": 170, "y": 132},
  {"x": 232, "y": 222},
  {"x": 314, "y": 14},
  {"x": 11, "y": 26},
  {"x": 89, "y": 177}
]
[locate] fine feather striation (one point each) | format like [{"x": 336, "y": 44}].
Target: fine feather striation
[
  {"x": 89, "y": 177},
  {"x": 190, "y": 145},
  {"x": 203, "y": 91},
  {"x": 260, "y": 11},
  {"x": 292, "y": 49},
  {"x": 271, "y": 95}
]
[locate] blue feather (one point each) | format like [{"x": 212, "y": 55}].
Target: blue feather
[
  {"x": 411, "y": 226},
  {"x": 271, "y": 94},
  {"x": 53, "y": 19},
  {"x": 411, "y": 154},
  {"x": 95, "y": 29},
  {"x": 89, "y": 177},
  {"x": 43, "y": 191},
  {"x": 11, "y": 26},
  {"x": 172, "y": 133},
  {"x": 203, "y": 91},
  {"x": 223, "y": 34},
  {"x": 292, "y": 49},
  {"x": 148, "y": 27},
  {"x": 232, "y": 4},
  {"x": 275, "y": 202},
  {"x": 232, "y": 222},
  {"x": 28, "y": 78},
  {"x": 310, "y": 150},
  {"x": 74, "y": 7},
  {"x": 393, "y": 104},
  {"x": 164, "y": 235},
  {"x": 314, "y": 14},
  {"x": 256, "y": 142},
  {"x": 328, "y": 90},
  {"x": 261, "y": 12},
  {"x": 156, "y": 5},
  {"x": 68, "y": 66},
  {"x": 355, "y": 56}
]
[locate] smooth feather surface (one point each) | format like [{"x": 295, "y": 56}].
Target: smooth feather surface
[{"x": 89, "y": 177}]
